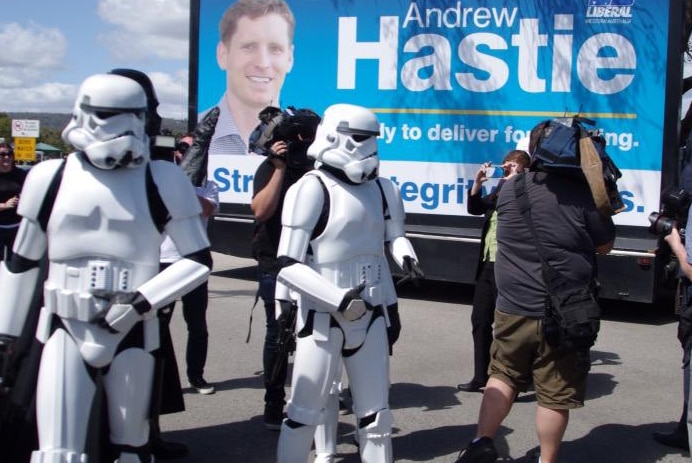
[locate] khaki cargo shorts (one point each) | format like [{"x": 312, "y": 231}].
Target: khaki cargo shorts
[{"x": 519, "y": 356}]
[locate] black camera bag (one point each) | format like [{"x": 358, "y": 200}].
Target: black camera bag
[
  {"x": 572, "y": 313},
  {"x": 572, "y": 319}
]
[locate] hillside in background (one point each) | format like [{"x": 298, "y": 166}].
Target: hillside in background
[{"x": 58, "y": 121}]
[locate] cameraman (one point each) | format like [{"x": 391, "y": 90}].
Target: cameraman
[
  {"x": 286, "y": 162},
  {"x": 564, "y": 219}
]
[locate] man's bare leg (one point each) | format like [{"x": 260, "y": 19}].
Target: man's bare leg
[
  {"x": 550, "y": 428},
  {"x": 497, "y": 402}
]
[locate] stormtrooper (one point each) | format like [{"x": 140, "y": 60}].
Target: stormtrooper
[
  {"x": 335, "y": 224},
  {"x": 99, "y": 216}
]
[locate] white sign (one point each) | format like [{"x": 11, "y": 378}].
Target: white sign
[{"x": 25, "y": 128}]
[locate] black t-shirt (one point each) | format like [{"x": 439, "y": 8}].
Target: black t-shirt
[
  {"x": 266, "y": 236},
  {"x": 568, "y": 226},
  {"x": 11, "y": 185}
]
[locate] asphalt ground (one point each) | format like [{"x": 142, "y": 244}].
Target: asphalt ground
[{"x": 634, "y": 389}]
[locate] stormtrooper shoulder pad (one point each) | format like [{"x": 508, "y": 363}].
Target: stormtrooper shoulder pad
[
  {"x": 175, "y": 189},
  {"x": 303, "y": 203},
  {"x": 36, "y": 186}
]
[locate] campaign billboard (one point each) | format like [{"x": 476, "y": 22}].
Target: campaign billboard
[{"x": 455, "y": 84}]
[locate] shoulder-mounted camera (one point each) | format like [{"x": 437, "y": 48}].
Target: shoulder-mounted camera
[
  {"x": 296, "y": 127},
  {"x": 567, "y": 147}
]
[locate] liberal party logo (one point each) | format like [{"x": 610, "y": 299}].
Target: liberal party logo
[{"x": 609, "y": 11}]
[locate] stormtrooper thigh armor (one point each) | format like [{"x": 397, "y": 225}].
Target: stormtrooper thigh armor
[
  {"x": 66, "y": 393},
  {"x": 316, "y": 364},
  {"x": 326, "y": 433}
]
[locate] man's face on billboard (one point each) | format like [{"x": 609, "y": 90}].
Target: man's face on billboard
[{"x": 256, "y": 60}]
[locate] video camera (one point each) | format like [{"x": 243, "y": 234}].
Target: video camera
[
  {"x": 675, "y": 203},
  {"x": 296, "y": 127},
  {"x": 567, "y": 147}
]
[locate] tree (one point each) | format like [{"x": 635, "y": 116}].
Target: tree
[
  {"x": 5, "y": 126},
  {"x": 54, "y": 137}
]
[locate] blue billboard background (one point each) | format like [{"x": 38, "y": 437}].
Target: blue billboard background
[{"x": 436, "y": 41}]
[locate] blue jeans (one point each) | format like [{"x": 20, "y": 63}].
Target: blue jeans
[{"x": 274, "y": 392}]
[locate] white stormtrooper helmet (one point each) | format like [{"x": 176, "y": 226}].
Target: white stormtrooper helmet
[
  {"x": 108, "y": 122},
  {"x": 346, "y": 140}
]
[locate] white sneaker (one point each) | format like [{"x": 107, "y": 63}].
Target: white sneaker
[{"x": 201, "y": 386}]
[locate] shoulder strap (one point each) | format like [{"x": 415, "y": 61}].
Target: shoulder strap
[
  {"x": 324, "y": 214},
  {"x": 592, "y": 167},
  {"x": 385, "y": 206},
  {"x": 550, "y": 275},
  {"x": 157, "y": 208},
  {"x": 49, "y": 200}
]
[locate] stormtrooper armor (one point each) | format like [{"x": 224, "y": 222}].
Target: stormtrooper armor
[
  {"x": 348, "y": 144},
  {"x": 343, "y": 282},
  {"x": 103, "y": 284},
  {"x": 112, "y": 136}
]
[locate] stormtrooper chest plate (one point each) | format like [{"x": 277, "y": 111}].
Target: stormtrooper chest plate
[
  {"x": 103, "y": 213},
  {"x": 355, "y": 226}
]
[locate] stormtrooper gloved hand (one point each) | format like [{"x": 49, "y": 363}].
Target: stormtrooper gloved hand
[
  {"x": 124, "y": 311},
  {"x": 412, "y": 270},
  {"x": 353, "y": 306}
]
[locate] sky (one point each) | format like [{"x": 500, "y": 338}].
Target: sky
[{"x": 47, "y": 48}]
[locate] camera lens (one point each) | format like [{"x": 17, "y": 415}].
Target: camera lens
[{"x": 660, "y": 224}]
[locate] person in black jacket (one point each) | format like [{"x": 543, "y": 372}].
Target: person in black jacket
[
  {"x": 678, "y": 437},
  {"x": 286, "y": 162},
  {"x": 11, "y": 182},
  {"x": 485, "y": 293}
]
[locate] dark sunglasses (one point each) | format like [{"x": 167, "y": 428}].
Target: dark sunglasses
[
  {"x": 5, "y": 154},
  {"x": 181, "y": 147}
]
